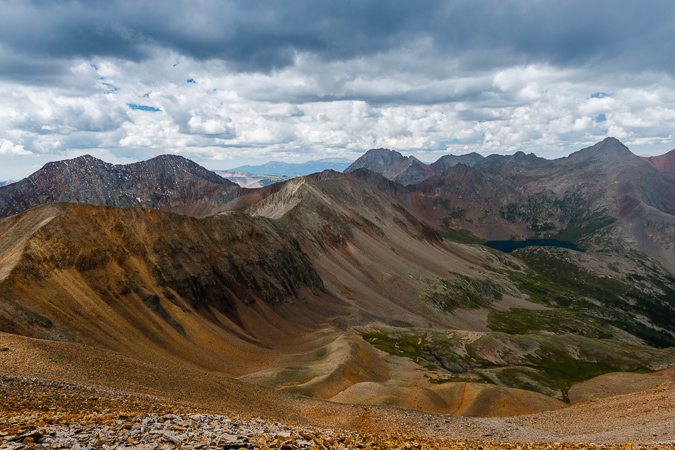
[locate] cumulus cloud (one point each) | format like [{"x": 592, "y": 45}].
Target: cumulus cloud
[
  {"x": 230, "y": 82},
  {"x": 9, "y": 148}
]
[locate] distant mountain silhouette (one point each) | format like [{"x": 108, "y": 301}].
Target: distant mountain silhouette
[
  {"x": 279, "y": 168},
  {"x": 408, "y": 169}
]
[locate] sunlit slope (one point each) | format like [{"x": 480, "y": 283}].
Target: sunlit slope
[{"x": 218, "y": 292}]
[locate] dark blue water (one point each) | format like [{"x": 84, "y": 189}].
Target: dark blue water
[{"x": 509, "y": 246}]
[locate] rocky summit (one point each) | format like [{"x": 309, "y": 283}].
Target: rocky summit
[
  {"x": 158, "y": 305},
  {"x": 167, "y": 182}
]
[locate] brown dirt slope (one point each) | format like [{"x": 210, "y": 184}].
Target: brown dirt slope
[
  {"x": 219, "y": 292},
  {"x": 618, "y": 383},
  {"x": 101, "y": 382},
  {"x": 226, "y": 293},
  {"x": 230, "y": 293},
  {"x": 461, "y": 399},
  {"x": 662, "y": 163},
  {"x": 369, "y": 250}
]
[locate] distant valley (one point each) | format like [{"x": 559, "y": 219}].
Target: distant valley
[{"x": 249, "y": 180}]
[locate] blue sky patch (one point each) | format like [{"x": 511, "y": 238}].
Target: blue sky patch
[
  {"x": 600, "y": 118},
  {"x": 110, "y": 88},
  {"x": 191, "y": 80},
  {"x": 143, "y": 107},
  {"x": 599, "y": 95}
]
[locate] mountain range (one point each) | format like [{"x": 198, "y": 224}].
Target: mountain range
[
  {"x": 279, "y": 168},
  {"x": 368, "y": 287},
  {"x": 408, "y": 169}
]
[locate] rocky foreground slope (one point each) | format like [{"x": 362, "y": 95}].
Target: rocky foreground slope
[{"x": 50, "y": 414}]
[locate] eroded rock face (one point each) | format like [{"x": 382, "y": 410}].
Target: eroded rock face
[
  {"x": 91, "y": 254},
  {"x": 167, "y": 182}
]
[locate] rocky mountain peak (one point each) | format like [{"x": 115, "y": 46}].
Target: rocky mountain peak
[
  {"x": 446, "y": 161},
  {"x": 81, "y": 162},
  {"x": 328, "y": 174},
  {"x": 378, "y": 160},
  {"x": 167, "y": 182},
  {"x": 173, "y": 162},
  {"x": 393, "y": 165},
  {"x": 86, "y": 160},
  {"x": 611, "y": 145},
  {"x": 609, "y": 150},
  {"x": 519, "y": 161}
]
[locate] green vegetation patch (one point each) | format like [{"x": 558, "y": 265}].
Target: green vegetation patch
[
  {"x": 461, "y": 291},
  {"x": 527, "y": 378},
  {"x": 557, "y": 321},
  {"x": 443, "y": 380},
  {"x": 556, "y": 282},
  {"x": 266, "y": 180},
  {"x": 459, "y": 235},
  {"x": 407, "y": 346},
  {"x": 548, "y": 364},
  {"x": 566, "y": 372},
  {"x": 581, "y": 224},
  {"x": 454, "y": 212}
]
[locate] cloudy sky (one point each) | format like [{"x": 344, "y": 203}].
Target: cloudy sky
[{"x": 233, "y": 82}]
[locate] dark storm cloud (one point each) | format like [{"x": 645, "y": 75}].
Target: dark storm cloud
[
  {"x": 263, "y": 35},
  {"x": 30, "y": 70}
]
